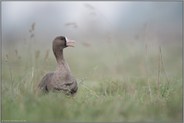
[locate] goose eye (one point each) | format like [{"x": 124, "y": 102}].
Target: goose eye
[{"x": 62, "y": 38}]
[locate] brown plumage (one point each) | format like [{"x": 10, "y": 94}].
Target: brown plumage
[{"x": 61, "y": 79}]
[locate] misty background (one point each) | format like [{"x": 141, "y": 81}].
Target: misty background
[
  {"x": 126, "y": 32},
  {"x": 87, "y": 21}
]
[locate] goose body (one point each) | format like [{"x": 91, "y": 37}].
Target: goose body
[{"x": 61, "y": 79}]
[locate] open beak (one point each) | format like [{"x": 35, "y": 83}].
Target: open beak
[{"x": 69, "y": 43}]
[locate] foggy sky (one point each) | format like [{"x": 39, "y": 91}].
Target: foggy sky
[{"x": 90, "y": 19}]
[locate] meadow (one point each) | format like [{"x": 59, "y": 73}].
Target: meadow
[{"x": 119, "y": 81}]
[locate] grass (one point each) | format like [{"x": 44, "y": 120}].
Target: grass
[{"x": 117, "y": 82}]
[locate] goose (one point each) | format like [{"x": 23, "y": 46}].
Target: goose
[{"x": 61, "y": 79}]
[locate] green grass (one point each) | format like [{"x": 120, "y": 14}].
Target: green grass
[{"x": 117, "y": 82}]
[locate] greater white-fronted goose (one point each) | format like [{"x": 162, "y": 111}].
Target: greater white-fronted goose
[{"x": 61, "y": 79}]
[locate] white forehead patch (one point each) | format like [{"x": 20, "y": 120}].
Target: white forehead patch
[{"x": 66, "y": 39}]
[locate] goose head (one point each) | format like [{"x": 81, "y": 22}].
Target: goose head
[{"x": 62, "y": 42}]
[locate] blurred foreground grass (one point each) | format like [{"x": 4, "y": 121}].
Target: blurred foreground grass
[{"x": 117, "y": 82}]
